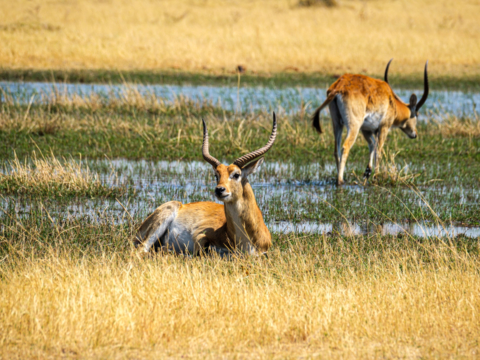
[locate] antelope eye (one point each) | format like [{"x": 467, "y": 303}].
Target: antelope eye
[
  {"x": 236, "y": 176},
  {"x": 216, "y": 177}
]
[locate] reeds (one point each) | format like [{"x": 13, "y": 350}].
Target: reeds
[{"x": 126, "y": 99}]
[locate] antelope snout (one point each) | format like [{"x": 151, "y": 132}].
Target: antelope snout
[{"x": 219, "y": 190}]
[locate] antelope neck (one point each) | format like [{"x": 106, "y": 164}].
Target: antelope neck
[
  {"x": 243, "y": 220},
  {"x": 402, "y": 112}
]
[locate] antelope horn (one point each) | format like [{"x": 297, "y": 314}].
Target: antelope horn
[
  {"x": 206, "y": 155},
  {"x": 386, "y": 71},
  {"x": 240, "y": 162},
  {"x": 425, "y": 91}
]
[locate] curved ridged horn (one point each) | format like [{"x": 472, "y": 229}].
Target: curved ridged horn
[
  {"x": 206, "y": 155},
  {"x": 386, "y": 71},
  {"x": 240, "y": 162},
  {"x": 425, "y": 90}
]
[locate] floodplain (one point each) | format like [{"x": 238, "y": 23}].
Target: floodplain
[{"x": 388, "y": 267}]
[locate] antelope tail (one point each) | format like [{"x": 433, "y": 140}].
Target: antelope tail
[{"x": 316, "y": 114}]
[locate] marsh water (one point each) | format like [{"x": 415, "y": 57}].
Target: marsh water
[
  {"x": 293, "y": 198},
  {"x": 243, "y": 99}
]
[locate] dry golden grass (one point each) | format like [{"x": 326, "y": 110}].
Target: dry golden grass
[
  {"x": 455, "y": 127},
  {"x": 359, "y": 298},
  {"x": 100, "y": 113},
  {"x": 49, "y": 175},
  {"x": 217, "y": 35}
]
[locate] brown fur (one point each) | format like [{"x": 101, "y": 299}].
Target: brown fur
[
  {"x": 362, "y": 95},
  {"x": 244, "y": 207},
  {"x": 214, "y": 224}
]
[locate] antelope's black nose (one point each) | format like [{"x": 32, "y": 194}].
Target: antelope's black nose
[{"x": 219, "y": 190}]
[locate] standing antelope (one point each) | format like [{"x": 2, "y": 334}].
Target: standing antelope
[
  {"x": 192, "y": 227},
  {"x": 361, "y": 103}
]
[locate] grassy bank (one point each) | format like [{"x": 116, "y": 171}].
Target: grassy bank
[
  {"x": 142, "y": 128},
  {"x": 439, "y": 169},
  {"x": 79, "y": 290},
  {"x": 216, "y": 36},
  {"x": 442, "y": 164},
  {"x": 223, "y": 78}
]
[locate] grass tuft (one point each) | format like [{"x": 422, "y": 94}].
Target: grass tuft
[
  {"x": 309, "y": 3},
  {"x": 459, "y": 127},
  {"x": 393, "y": 174},
  {"x": 50, "y": 176}
]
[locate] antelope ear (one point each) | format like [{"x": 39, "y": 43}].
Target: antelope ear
[
  {"x": 413, "y": 106},
  {"x": 252, "y": 167},
  {"x": 413, "y": 101}
]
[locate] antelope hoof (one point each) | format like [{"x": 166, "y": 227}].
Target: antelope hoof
[
  {"x": 340, "y": 182},
  {"x": 367, "y": 173}
]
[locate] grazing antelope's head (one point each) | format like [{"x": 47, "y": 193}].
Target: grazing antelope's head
[
  {"x": 409, "y": 125},
  {"x": 232, "y": 179}
]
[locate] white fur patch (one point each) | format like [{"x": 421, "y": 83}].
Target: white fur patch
[
  {"x": 372, "y": 121},
  {"x": 179, "y": 239}
]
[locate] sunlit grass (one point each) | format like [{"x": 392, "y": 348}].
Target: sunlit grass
[
  {"x": 51, "y": 176},
  {"x": 263, "y": 36},
  {"x": 339, "y": 297},
  {"x": 456, "y": 127},
  {"x": 75, "y": 287}
]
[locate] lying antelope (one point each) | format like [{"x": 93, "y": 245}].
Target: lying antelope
[
  {"x": 361, "y": 103},
  {"x": 237, "y": 225}
]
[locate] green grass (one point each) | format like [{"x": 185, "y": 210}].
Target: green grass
[
  {"x": 104, "y": 235},
  {"x": 165, "y": 145},
  {"x": 445, "y": 160},
  {"x": 277, "y": 80},
  {"x": 174, "y": 133}
]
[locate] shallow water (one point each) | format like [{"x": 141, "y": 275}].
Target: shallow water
[
  {"x": 420, "y": 229},
  {"x": 245, "y": 99},
  {"x": 293, "y": 198},
  {"x": 287, "y": 193}
]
